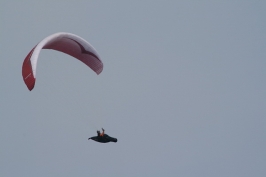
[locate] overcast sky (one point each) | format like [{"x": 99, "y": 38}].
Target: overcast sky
[{"x": 182, "y": 89}]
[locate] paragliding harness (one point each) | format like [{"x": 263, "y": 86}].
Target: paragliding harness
[{"x": 103, "y": 138}]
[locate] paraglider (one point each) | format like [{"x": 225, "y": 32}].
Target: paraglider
[
  {"x": 103, "y": 138},
  {"x": 72, "y": 45},
  {"x": 67, "y": 43}
]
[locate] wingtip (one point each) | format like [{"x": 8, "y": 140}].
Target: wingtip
[{"x": 30, "y": 84}]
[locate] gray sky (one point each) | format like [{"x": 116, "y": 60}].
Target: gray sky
[{"x": 183, "y": 89}]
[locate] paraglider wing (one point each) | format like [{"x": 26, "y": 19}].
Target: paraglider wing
[{"x": 68, "y": 43}]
